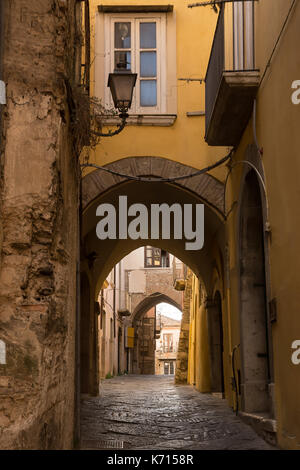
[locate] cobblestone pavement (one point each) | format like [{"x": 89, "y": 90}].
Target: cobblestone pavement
[{"x": 150, "y": 412}]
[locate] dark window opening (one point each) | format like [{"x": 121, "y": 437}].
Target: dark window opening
[{"x": 156, "y": 258}]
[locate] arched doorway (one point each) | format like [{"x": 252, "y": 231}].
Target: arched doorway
[
  {"x": 100, "y": 188},
  {"x": 147, "y": 328},
  {"x": 215, "y": 331},
  {"x": 255, "y": 374}
]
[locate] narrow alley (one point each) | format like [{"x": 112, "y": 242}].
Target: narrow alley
[
  {"x": 149, "y": 212},
  {"x": 150, "y": 412}
]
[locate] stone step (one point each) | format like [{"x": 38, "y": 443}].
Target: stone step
[{"x": 263, "y": 425}]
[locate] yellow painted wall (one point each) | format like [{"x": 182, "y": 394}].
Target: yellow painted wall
[
  {"x": 199, "y": 362},
  {"x": 184, "y": 141},
  {"x": 202, "y": 352},
  {"x": 277, "y": 126},
  {"x": 192, "y": 359}
]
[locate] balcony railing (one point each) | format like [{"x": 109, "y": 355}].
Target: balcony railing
[
  {"x": 167, "y": 349},
  {"x": 215, "y": 69},
  {"x": 231, "y": 80}
]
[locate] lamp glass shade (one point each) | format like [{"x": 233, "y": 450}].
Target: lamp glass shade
[{"x": 121, "y": 85}]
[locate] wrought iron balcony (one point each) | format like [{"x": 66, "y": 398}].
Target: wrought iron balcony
[
  {"x": 169, "y": 349},
  {"x": 231, "y": 81}
]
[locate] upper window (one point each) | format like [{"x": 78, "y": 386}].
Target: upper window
[
  {"x": 137, "y": 43},
  {"x": 156, "y": 258},
  {"x": 168, "y": 342}
]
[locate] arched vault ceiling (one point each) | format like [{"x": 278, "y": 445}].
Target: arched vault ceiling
[
  {"x": 205, "y": 186},
  {"x": 108, "y": 252}
]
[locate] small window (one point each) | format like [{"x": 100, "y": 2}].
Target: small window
[
  {"x": 168, "y": 342},
  {"x": 156, "y": 258}
]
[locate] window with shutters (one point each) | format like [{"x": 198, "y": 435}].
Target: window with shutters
[{"x": 156, "y": 258}]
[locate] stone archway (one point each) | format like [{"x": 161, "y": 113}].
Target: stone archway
[
  {"x": 205, "y": 186},
  {"x": 99, "y": 187},
  {"x": 154, "y": 299},
  {"x": 146, "y": 326}
]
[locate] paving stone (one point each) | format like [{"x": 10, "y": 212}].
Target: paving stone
[{"x": 151, "y": 412}]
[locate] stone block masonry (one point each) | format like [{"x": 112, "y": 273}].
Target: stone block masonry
[
  {"x": 181, "y": 374},
  {"x": 39, "y": 227}
]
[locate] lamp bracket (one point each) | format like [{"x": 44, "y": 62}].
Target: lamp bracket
[{"x": 123, "y": 116}]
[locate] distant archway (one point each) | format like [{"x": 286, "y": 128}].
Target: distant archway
[
  {"x": 146, "y": 327},
  {"x": 151, "y": 301}
]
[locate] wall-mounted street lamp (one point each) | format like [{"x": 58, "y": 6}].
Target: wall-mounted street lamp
[{"x": 121, "y": 85}]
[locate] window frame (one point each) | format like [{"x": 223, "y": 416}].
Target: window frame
[
  {"x": 148, "y": 247},
  {"x": 168, "y": 342},
  {"x": 161, "y": 39}
]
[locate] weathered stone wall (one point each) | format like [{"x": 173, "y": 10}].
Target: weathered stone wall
[
  {"x": 38, "y": 233},
  {"x": 181, "y": 373}
]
